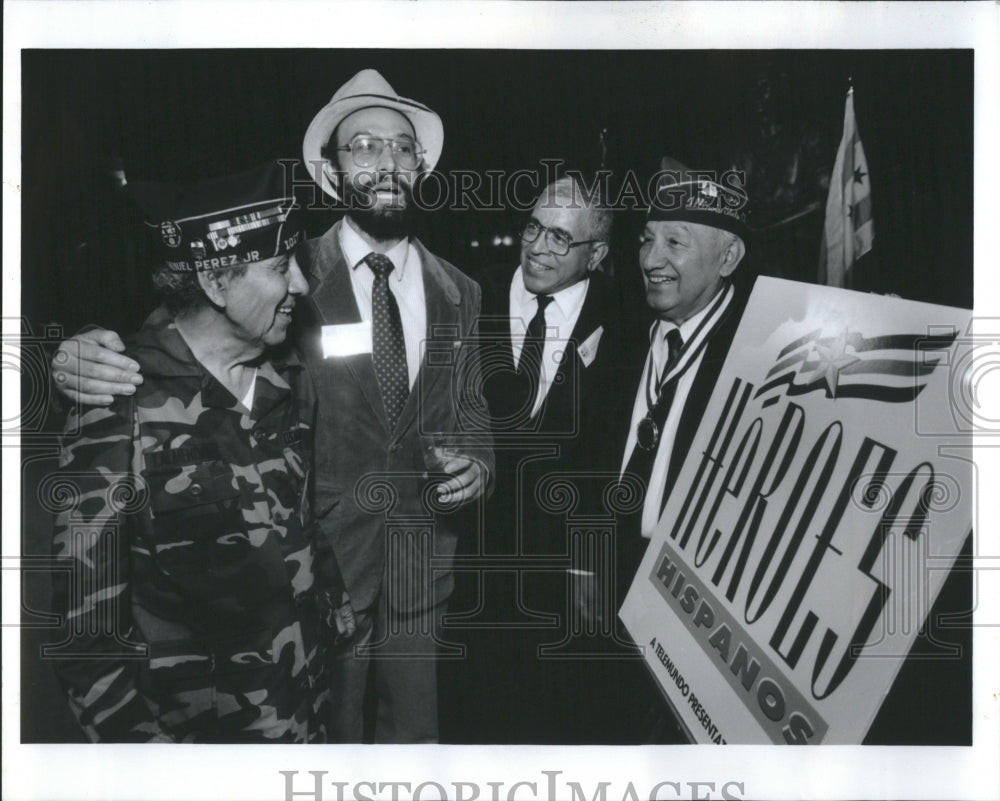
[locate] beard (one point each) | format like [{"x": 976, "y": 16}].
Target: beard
[{"x": 381, "y": 223}]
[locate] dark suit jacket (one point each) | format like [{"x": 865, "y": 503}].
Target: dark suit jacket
[
  {"x": 371, "y": 487},
  {"x": 571, "y": 433},
  {"x": 571, "y": 405},
  {"x": 632, "y": 544}
]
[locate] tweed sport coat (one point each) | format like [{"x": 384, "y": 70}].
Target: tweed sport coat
[{"x": 373, "y": 496}]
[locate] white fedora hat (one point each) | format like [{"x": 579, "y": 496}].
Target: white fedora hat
[{"x": 365, "y": 90}]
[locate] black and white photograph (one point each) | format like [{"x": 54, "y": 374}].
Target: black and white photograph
[{"x": 507, "y": 400}]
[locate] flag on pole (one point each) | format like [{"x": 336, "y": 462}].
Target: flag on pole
[{"x": 849, "y": 230}]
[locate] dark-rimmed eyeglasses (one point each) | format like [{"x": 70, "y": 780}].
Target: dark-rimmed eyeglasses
[
  {"x": 367, "y": 150},
  {"x": 555, "y": 240}
]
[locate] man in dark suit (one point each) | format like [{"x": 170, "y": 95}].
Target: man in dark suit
[
  {"x": 693, "y": 241},
  {"x": 550, "y": 338},
  {"x": 389, "y": 336},
  {"x": 549, "y": 331},
  {"x": 692, "y": 244}
]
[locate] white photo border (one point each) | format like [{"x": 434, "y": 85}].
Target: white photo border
[{"x": 249, "y": 772}]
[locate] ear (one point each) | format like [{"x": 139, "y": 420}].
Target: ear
[
  {"x": 597, "y": 253},
  {"x": 732, "y": 256},
  {"x": 214, "y": 285}
]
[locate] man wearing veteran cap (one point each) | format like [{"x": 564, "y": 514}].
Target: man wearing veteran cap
[
  {"x": 190, "y": 609},
  {"x": 378, "y": 301},
  {"x": 694, "y": 239}
]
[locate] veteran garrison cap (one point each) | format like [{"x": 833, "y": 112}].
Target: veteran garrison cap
[
  {"x": 221, "y": 222},
  {"x": 707, "y": 197}
]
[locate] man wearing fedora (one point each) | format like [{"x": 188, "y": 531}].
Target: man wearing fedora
[
  {"x": 402, "y": 438},
  {"x": 384, "y": 397}
]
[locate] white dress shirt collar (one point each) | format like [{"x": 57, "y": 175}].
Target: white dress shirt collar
[
  {"x": 569, "y": 300},
  {"x": 356, "y": 250},
  {"x": 659, "y": 329}
]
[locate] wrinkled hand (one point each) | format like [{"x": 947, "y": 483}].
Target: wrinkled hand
[
  {"x": 89, "y": 368},
  {"x": 468, "y": 479}
]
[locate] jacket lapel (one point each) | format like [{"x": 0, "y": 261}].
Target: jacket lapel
[
  {"x": 330, "y": 291},
  {"x": 494, "y": 328},
  {"x": 442, "y": 300},
  {"x": 591, "y": 317},
  {"x": 502, "y": 388},
  {"x": 331, "y": 302}
]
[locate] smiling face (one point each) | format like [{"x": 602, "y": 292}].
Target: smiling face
[
  {"x": 543, "y": 271},
  {"x": 378, "y": 197},
  {"x": 683, "y": 266},
  {"x": 259, "y": 303}
]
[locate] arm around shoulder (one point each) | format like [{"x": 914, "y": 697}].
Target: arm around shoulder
[{"x": 91, "y": 367}]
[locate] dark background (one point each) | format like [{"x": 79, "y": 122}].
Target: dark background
[
  {"x": 182, "y": 114},
  {"x": 778, "y": 115}
]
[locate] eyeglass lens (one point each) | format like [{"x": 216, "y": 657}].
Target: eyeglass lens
[
  {"x": 558, "y": 243},
  {"x": 367, "y": 150}
]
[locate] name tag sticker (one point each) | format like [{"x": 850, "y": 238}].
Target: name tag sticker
[
  {"x": 588, "y": 350},
  {"x": 347, "y": 340}
]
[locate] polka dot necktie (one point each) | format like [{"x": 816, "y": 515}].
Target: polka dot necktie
[
  {"x": 388, "y": 345},
  {"x": 529, "y": 366}
]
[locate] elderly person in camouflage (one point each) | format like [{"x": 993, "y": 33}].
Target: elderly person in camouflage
[{"x": 190, "y": 612}]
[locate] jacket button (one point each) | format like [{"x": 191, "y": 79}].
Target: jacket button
[{"x": 195, "y": 490}]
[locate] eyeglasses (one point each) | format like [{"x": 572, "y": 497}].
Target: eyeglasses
[
  {"x": 555, "y": 240},
  {"x": 367, "y": 150}
]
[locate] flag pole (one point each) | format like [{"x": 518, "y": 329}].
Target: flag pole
[{"x": 848, "y": 230}]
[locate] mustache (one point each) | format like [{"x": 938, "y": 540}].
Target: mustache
[
  {"x": 372, "y": 181},
  {"x": 360, "y": 196}
]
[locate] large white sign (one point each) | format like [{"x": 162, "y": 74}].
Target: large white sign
[{"x": 825, "y": 497}]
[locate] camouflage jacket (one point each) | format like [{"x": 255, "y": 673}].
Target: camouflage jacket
[{"x": 187, "y": 537}]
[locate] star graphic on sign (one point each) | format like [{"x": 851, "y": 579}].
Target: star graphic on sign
[
  {"x": 859, "y": 175},
  {"x": 831, "y": 359}
]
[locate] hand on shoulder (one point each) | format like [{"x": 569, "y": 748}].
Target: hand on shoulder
[{"x": 90, "y": 368}]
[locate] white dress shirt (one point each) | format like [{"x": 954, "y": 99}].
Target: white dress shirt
[
  {"x": 406, "y": 282},
  {"x": 560, "y": 319},
  {"x": 693, "y": 334}
]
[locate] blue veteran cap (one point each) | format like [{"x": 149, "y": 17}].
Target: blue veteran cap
[
  {"x": 706, "y": 197},
  {"x": 221, "y": 222}
]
